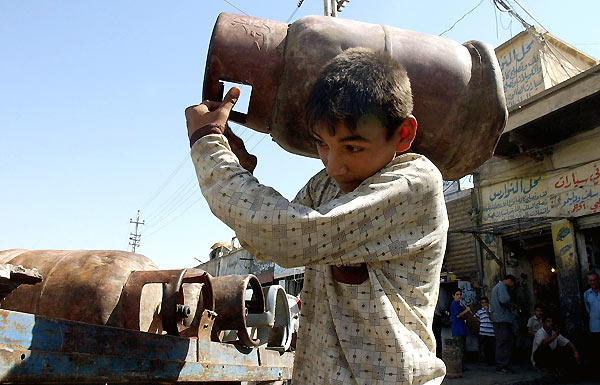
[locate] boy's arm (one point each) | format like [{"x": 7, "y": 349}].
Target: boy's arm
[
  {"x": 397, "y": 213},
  {"x": 400, "y": 213}
]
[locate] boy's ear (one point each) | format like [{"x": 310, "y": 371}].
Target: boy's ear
[{"x": 407, "y": 132}]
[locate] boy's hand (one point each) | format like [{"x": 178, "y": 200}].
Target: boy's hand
[
  {"x": 247, "y": 160},
  {"x": 211, "y": 115}
]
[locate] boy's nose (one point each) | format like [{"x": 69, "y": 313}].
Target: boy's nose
[{"x": 335, "y": 165}]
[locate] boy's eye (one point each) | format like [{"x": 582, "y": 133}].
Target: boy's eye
[
  {"x": 318, "y": 142},
  {"x": 353, "y": 148}
]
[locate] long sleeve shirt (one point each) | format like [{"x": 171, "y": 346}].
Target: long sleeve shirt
[
  {"x": 500, "y": 304},
  {"x": 376, "y": 332}
]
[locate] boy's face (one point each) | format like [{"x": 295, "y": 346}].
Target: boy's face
[
  {"x": 457, "y": 296},
  {"x": 484, "y": 303},
  {"x": 538, "y": 312},
  {"x": 351, "y": 157}
]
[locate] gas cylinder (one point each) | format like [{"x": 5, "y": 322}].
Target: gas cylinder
[
  {"x": 80, "y": 285},
  {"x": 457, "y": 88},
  {"x": 452, "y": 357}
]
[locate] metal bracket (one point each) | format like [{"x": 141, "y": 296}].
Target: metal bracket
[{"x": 482, "y": 243}]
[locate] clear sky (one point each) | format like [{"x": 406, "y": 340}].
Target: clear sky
[{"x": 92, "y": 95}]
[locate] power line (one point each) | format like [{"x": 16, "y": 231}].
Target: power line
[
  {"x": 172, "y": 220},
  {"x": 164, "y": 184},
  {"x": 183, "y": 194},
  {"x": 510, "y": 10},
  {"x": 257, "y": 143},
  {"x": 235, "y": 6},
  {"x": 189, "y": 195},
  {"x": 530, "y": 15},
  {"x": 462, "y": 17},
  {"x": 295, "y": 10},
  {"x": 159, "y": 209}
]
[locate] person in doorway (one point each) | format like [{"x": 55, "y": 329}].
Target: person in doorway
[
  {"x": 458, "y": 314},
  {"x": 503, "y": 319},
  {"x": 487, "y": 339},
  {"x": 370, "y": 228},
  {"x": 534, "y": 323},
  {"x": 591, "y": 297},
  {"x": 548, "y": 354}
]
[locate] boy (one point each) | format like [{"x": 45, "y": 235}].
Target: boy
[
  {"x": 487, "y": 340},
  {"x": 370, "y": 228},
  {"x": 458, "y": 314},
  {"x": 534, "y": 323}
]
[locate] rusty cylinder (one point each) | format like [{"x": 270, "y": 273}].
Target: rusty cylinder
[
  {"x": 81, "y": 285},
  {"x": 452, "y": 357},
  {"x": 457, "y": 89}
]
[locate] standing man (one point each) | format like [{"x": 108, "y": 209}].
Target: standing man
[
  {"x": 487, "y": 339},
  {"x": 502, "y": 318},
  {"x": 592, "y": 304}
]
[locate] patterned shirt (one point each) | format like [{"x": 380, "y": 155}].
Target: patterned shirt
[
  {"x": 377, "y": 332},
  {"x": 486, "y": 328}
]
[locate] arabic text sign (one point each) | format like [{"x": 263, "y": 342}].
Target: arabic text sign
[
  {"x": 577, "y": 191},
  {"x": 521, "y": 70},
  {"x": 519, "y": 198},
  {"x": 570, "y": 193}
]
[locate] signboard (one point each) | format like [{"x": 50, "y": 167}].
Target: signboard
[
  {"x": 521, "y": 68},
  {"x": 568, "y": 193}
]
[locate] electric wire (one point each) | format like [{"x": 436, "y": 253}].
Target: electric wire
[
  {"x": 530, "y": 15},
  {"x": 462, "y": 17},
  {"x": 164, "y": 184},
  {"x": 176, "y": 193},
  {"x": 236, "y": 7},
  {"x": 295, "y": 10},
  {"x": 190, "y": 195},
  {"x": 173, "y": 220},
  {"x": 185, "y": 192},
  {"x": 257, "y": 143}
]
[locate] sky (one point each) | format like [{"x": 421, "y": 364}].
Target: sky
[{"x": 92, "y": 95}]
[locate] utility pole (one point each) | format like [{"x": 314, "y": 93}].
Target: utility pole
[
  {"x": 332, "y": 7},
  {"x": 134, "y": 239}
]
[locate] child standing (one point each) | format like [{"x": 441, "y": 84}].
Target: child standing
[
  {"x": 458, "y": 314},
  {"x": 370, "y": 228},
  {"x": 534, "y": 323},
  {"x": 487, "y": 339}
]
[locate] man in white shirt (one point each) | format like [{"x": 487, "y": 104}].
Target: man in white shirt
[{"x": 548, "y": 354}]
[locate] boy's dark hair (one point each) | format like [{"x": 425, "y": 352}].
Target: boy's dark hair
[
  {"x": 484, "y": 298},
  {"x": 358, "y": 82},
  {"x": 538, "y": 306},
  {"x": 511, "y": 277},
  {"x": 546, "y": 316}
]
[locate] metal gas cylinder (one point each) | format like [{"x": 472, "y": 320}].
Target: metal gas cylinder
[
  {"x": 458, "y": 95},
  {"x": 81, "y": 285},
  {"x": 452, "y": 357}
]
